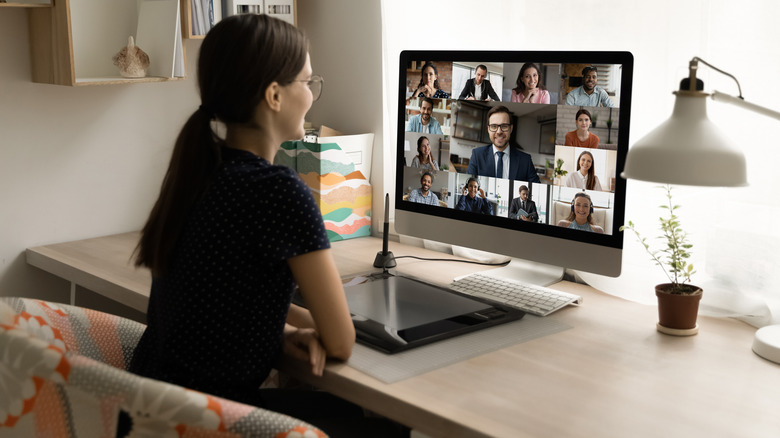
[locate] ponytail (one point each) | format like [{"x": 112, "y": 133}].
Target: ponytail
[{"x": 196, "y": 157}]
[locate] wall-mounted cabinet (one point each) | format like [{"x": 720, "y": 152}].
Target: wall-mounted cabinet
[
  {"x": 73, "y": 42},
  {"x": 282, "y": 9},
  {"x": 27, "y": 4}
]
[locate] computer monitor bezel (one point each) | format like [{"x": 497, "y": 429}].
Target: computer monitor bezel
[{"x": 599, "y": 253}]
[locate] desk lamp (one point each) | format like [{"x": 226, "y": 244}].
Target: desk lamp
[{"x": 689, "y": 149}]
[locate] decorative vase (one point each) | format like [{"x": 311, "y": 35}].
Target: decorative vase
[
  {"x": 677, "y": 312},
  {"x": 131, "y": 60}
]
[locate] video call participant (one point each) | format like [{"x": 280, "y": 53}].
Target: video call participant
[
  {"x": 429, "y": 83},
  {"x": 582, "y": 137},
  {"x": 479, "y": 88},
  {"x": 424, "y": 122},
  {"x": 499, "y": 159},
  {"x": 581, "y": 216},
  {"x": 529, "y": 88},
  {"x": 589, "y": 94},
  {"x": 474, "y": 199},
  {"x": 424, "y": 158},
  {"x": 424, "y": 195},
  {"x": 585, "y": 177},
  {"x": 523, "y": 208}
]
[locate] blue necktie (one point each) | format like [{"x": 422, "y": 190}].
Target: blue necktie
[{"x": 500, "y": 165}]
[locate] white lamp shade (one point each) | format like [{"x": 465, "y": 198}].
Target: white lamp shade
[{"x": 687, "y": 149}]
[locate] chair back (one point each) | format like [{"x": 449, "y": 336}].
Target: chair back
[{"x": 63, "y": 374}]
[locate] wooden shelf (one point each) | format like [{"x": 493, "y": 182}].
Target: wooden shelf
[
  {"x": 52, "y": 40},
  {"x": 186, "y": 15},
  {"x": 25, "y": 5},
  {"x": 186, "y": 22}
]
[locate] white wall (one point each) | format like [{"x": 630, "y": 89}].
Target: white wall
[
  {"x": 76, "y": 162},
  {"x": 80, "y": 162},
  {"x": 663, "y": 36},
  {"x": 346, "y": 48}
]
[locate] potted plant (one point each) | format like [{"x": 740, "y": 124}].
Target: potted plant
[
  {"x": 559, "y": 172},
  {"x": 678, "y": 300}
]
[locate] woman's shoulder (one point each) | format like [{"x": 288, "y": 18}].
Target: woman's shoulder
[
  {"x": 597, "y": 229},
  {"x": 258, "y": 172}
]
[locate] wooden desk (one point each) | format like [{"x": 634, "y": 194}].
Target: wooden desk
[{"x": 611, "y": 375}]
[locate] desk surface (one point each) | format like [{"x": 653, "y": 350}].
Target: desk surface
[{"x": 610, "y": 375}]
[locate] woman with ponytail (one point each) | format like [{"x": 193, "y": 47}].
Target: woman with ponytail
[{"x": 232, "y": 235}]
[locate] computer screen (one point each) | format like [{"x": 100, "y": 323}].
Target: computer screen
[{"x": 516, "y": 153}]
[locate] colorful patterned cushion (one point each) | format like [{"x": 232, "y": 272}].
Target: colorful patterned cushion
[{"x": 55, "y": 381}]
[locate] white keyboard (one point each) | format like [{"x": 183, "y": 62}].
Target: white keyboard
[{"x": 537, "y": 300}]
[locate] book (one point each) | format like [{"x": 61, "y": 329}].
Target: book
[{"x": 159, "y": 35}]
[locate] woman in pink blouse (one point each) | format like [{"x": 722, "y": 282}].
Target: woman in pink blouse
[{"x": 529, "y": 86}]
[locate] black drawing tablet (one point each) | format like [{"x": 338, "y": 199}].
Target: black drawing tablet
[{"x": 393, "y": 314}]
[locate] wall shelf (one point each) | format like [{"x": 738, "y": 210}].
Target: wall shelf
[
  {"x": 25, "y": 5},
  {"x": 73, "y": 41}
]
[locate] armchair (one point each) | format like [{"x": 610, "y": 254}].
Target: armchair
[{"x": 63, "y": 374}]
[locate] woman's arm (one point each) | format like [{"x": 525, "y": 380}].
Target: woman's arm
[
  {"x": 300, "y": 317},
  {"x": 320, "y": 285},
  {"x": 544, "y": 96}
]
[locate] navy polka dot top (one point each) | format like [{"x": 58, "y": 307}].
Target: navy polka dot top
[{"x": 216, "y": 317}]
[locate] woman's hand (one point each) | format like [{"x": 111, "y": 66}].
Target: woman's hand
[
  {"x": 426, "y": 90},
  {"x": 304, "y": 344},
  {"x": 482, "y": 193}
]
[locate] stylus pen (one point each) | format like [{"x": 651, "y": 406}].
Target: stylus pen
[{"x": 386, "y": 228}]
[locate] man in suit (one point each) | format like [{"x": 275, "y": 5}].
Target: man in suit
[
  {"x": 498, "y": 160},
  {"x": 523, "y": 208},
  {"x": 479, "y": 88}
]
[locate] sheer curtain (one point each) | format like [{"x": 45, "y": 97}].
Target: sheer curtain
[{"x": 735, "y": 231}]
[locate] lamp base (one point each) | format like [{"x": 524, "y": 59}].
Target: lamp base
[{"x": 767, "y": 343}]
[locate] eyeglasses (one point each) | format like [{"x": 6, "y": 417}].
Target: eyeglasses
[
  {"x": 504, "y": 127},
  {"x": 314, "y": 84}
]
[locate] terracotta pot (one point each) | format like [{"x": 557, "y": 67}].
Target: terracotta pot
[{"x": 677, "y": 313}]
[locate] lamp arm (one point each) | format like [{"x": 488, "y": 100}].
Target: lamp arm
[
  {"x": 739, "y": 101},
  {"x": 693, "y": 66}
]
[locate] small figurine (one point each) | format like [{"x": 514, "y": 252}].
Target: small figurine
[{"x": 131, "y": 60}]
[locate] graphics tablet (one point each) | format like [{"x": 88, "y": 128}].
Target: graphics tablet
[{"x": 393, "y": 314}]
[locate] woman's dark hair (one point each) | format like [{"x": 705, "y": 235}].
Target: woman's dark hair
[
  {"x": 435, "y": 71},
  {"x": 473, "y": 178},
  {"x": 591, "y": 180},
  {"x": 239, "y": 58},
  {"x": 581, "y": 112},
  {"x": 572, "y": 215},
  {"x": 519, "y": 82}
]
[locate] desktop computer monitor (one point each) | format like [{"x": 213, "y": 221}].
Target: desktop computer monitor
[{"x": 561, "y": 118}]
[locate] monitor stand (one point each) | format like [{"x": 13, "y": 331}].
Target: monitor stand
[{"x": 526, "y": 271}]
